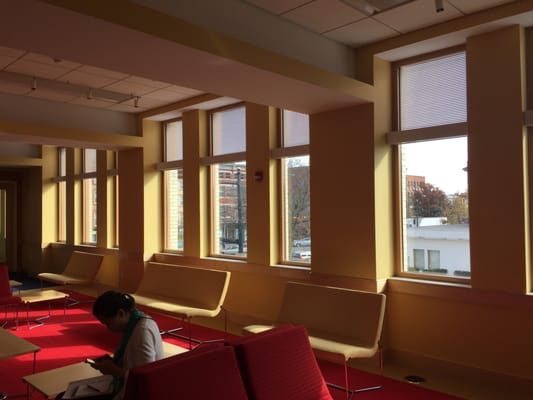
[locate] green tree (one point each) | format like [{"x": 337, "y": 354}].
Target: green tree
[{"x": 457, "y": 209}]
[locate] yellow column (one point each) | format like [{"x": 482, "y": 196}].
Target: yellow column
[
  {"x": 195, "y": 176},
  {"x": 342, "y": 192},
  {"x": 261, "y": 193},
  {"x": 499, "y": 240}
]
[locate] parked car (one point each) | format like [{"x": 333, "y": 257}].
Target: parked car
[
  {"x": 304, "y": 242},
  {"x": 301, "y": 255},
  {"x": 232, "y": 249}
]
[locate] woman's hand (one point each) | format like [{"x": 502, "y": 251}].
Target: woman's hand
[{"x": 106, "y": 366}]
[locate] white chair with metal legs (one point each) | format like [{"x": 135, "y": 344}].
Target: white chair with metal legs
[{"x": 342, "y": 324}]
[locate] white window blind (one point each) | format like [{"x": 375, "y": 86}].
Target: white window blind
[
  {"x": 433, "y": 92},
  {"x": 229, "y": 131},
  {"x": 295, "y": 128},
  {"x": 174, "y": 141}
]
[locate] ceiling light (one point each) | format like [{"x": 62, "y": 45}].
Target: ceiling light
[
  {"x": 373, "y": 7},
  {"x": 73, "y": 90}
]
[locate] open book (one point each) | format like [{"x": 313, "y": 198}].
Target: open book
[{"x": 97, "y": 386}]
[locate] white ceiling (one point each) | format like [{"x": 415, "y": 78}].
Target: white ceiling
[
  {"x": 336, "y": 20},
  {"x": 332, "y": 19}
]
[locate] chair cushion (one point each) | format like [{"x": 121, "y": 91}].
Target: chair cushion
[
  {"x": 205, "y": 373},
  {"x": 280, "y": 364}
]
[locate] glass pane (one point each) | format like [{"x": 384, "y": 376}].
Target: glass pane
[
  {"x": 295, "y": 128},
  {"x": 229, "y": 131},
  {"x": 174, "y": 141},
  {"x": 433, "y": 92},
  {"x": 62, "y": 212},
  {"x": 229, "y": 209},
  {"x": 174, "y": 209},
  {"x": 296, "y": 203},
  {"x": 89, "y": 160},
  {"x": 435, "y": 207},
  {"x": 89, "y": 210}
]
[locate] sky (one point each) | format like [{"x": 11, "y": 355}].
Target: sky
[{"x": 441, "y": 162}]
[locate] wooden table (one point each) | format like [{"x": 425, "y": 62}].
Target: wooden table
[
  {"x": 52, "y": 382},
  {"x": 12, "y": 346},
  {"x": 38, "y": 296}
]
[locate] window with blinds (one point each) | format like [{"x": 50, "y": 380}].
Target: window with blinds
[{"x": 433, "y": 167}]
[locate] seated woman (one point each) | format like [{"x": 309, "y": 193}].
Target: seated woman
[{"x": 140, "y": 343}]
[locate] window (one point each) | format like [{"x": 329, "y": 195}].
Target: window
[
  {"x": 295, "y": 196},
  {"x": 113, "y": 199},
  {"x": 173, "y": 185},
  {"x": 432, "y": 146},
  {"x": 89, "y": 196},
  {"x": 62, "y": 195},
  {"x": 228, "y": 182}
]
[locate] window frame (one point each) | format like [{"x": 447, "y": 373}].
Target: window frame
[
  {"x": 164, "y": 166},
  {"x": 61, "y": 181},
  {"x": 280, "y": 154},
  {"x": 211, "y": 161},
  {"x": 398, "y": 137},
  {"x": 85, "y": 176}
]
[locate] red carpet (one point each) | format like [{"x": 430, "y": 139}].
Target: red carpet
[{"x": 79, "y": 335}]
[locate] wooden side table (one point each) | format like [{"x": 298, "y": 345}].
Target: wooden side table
[
  {"x": 39, "y": 296},
  {"x": 12, "y": 346}
]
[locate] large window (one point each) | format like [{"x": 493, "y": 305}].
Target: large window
[
  {"x": 432, "y": 146},
  {"x": 62, "y": 195},
  {"x": 89, "y": 196},
  {"x": 228, "y": 182},
  {"x": 173, "y": 183},
  {"x": 295, "y": 196}
]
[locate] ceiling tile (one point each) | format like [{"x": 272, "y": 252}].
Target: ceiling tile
[
  {"x": 129, "y": 87},
  {"x": 147, "y": 82},
  {"x": 8, "y": 51},
  {"x": 39, "y": 58},
  {"x": 361, "y": 32},
  {"x": 5, "y": 60},
  {"x": 324, "y": 15},
  {"x": 36, "y": 69},
  {"x": 78, "y": 77},
  {"x": 184, "y": 90},
  {"x": 169, "y": 96},
  {"x": 103, "y": 72},
  {"x": 277, "y": 6},
  {"x": 151, "y": 102},
  {"x": 415, "y": 15},
  {"x": 472, "y": 6}
]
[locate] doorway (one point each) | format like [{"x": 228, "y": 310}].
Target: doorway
[{"x": 8, "y": 229}]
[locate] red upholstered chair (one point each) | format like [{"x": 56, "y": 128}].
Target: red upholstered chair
[
  {"x": 280, "y": 364},
  {"x": 204, "y": 373},
  {"x": 6, "y": 296}
]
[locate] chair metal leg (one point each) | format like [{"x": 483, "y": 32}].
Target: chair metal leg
[
  {"x": 188, "y": 337},
  {"x": 351, "y": 392}
]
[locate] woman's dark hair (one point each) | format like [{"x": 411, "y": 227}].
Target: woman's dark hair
[{"x": 109, "y": 303}]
